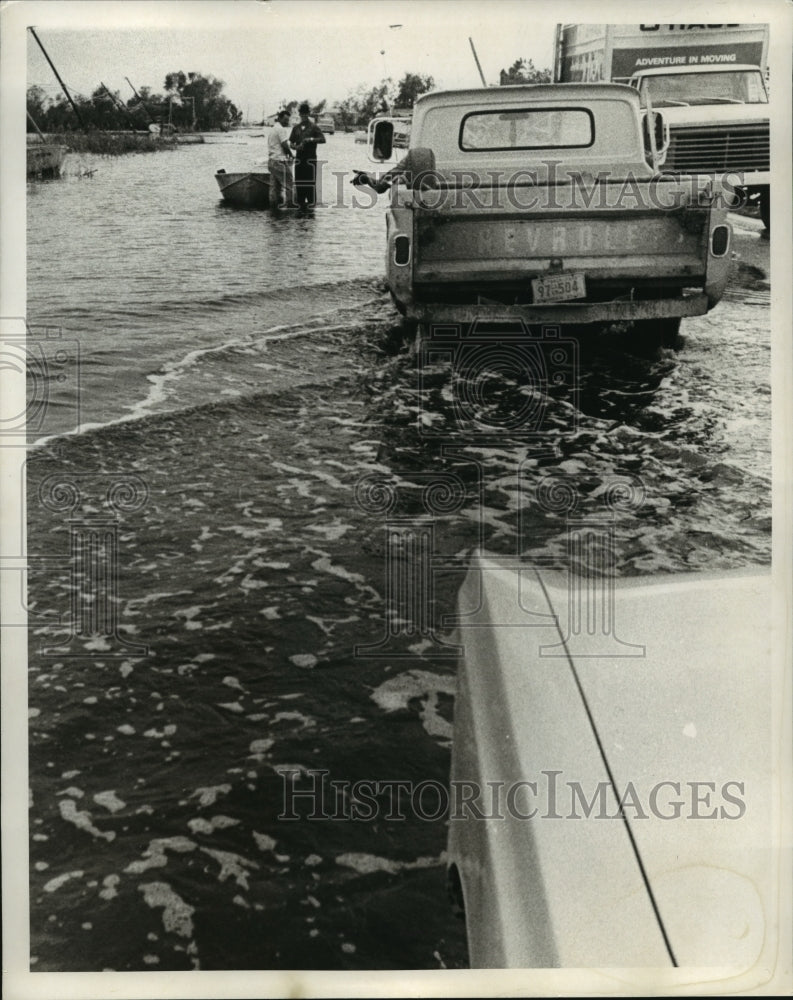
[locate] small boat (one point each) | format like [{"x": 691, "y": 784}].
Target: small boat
[
  {"x": 45, "y": 159},
  {"x": 244, "y": 190}
]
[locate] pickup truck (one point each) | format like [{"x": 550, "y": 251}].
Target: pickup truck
[{"x": 546, "y": 203}]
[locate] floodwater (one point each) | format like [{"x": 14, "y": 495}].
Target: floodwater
[{"x": 254, "y": 451}]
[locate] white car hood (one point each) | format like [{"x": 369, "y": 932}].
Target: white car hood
[{"x": 674, "y": 676}]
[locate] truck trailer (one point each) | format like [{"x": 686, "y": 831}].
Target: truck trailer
[{"x": 709, "y": 80}]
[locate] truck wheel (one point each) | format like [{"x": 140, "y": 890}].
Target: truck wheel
[
  {"x": 658, "y": 332},
  {"x": 419, "y": 338},
  {"x": 399, "y": 306},
  {"x": 454, "y": 889},
  {"x": 765, "y": 208},
  {"x": 668, "y": 331}
]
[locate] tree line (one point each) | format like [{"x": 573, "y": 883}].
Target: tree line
[
  {"x": 524, "y": 71},
  {"x": 195, "y": 102},
  {"x": 361, "y": 105},
  {"x": 190, "y": 102}
]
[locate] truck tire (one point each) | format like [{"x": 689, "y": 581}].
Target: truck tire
[
  {"x": 658, "y": 332},
  {"x": 765, "y": 207},
  {"x": 454, "y": 889}
]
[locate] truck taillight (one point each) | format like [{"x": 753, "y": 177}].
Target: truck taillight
[
  {"x": 402, "y": 250},
  {"x": 720, "y": 240}
]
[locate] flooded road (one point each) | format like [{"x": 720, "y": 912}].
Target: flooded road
[{"x": 261, "y": 437}]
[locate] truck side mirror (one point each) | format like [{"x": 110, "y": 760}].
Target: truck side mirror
[
  {"x": 381, "y": 139},
  {"x": 661, "y": 133},
  {"x": 655, "y": 133}
]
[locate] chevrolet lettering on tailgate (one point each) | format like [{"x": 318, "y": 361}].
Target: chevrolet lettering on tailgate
[
  {"x": 458, "y": 239},
  {"x": 549, "y": 203}
]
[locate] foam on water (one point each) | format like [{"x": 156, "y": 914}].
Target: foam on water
[{"x": 253, "y": 573}]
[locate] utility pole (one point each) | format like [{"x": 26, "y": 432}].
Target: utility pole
[
  {"x": 63, "y": 85},
  {"x": 35, "y": 126},
  {"x": 476, "y": 59},
  {"x": 151, "y": 120},
  {"x": 120, "y": 107},
  {"x": 192, "y": 105}
]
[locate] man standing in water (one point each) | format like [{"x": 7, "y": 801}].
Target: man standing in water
[
  {"x": 304, "y": 139},
  {"x": 280, "y": 163}
]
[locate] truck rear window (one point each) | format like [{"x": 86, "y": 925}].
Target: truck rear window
[{"x": 527, "y": 128}]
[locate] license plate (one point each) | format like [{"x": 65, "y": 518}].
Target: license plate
[{"x": 558, "y": 288}]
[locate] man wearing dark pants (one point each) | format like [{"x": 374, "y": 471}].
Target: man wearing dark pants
[{"x": 304, "y": 139}]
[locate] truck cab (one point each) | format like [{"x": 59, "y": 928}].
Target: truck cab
[
  {"x": 718, "y": 121},
  {"x": 709, "y": 79}
]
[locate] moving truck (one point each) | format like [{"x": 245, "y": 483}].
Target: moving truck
[{"x": 709, "y": 79}]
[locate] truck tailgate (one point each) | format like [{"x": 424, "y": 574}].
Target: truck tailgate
[{"x": 464, "y": 244}]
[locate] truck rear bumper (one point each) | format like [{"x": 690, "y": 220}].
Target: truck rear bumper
[{"x": 694, "y": 304}]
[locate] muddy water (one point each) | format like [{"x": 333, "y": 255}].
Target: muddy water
[{"x": 274, "y": 441}]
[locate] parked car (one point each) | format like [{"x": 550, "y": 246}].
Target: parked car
[
  {"x": 327, "y": 123},
  {"x": 614, "y": 770},
  {"x": 401, "y": 135}
]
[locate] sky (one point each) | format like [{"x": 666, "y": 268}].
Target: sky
[{"x": 269, "y": 51}]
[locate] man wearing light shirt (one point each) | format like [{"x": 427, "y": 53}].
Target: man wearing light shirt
[{"x": 280, "y": 163}]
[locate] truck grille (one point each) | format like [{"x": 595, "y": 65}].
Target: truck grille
[{"x": 715, "y": 150}]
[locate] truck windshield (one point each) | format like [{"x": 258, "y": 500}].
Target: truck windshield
[
  {"x": 736, "y": 87},
  {"x": 527, "y": 128}
]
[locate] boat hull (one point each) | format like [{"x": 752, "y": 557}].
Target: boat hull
[
  {"x": 45, "y": 159},
  {"x": 244, "y": 190}
]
